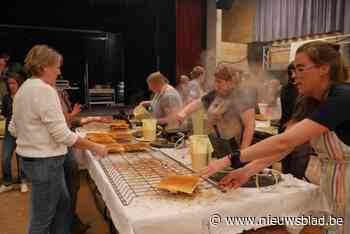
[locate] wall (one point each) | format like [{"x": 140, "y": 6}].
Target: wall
[{"x": 236, "y": 32}]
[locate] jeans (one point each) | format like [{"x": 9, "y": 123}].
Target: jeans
[
  {"x": 9, "y": 146},
  {"x": 71, "y": 173},
  {"x": 51, "y": 204}
]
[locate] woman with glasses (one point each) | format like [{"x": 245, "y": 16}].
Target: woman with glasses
[{"x": 321, "y": 79}]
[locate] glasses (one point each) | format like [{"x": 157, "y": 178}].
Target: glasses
[{"x": 302, "y": 69}]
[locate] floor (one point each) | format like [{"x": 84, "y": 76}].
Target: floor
[{"x": 15, "y": 208}]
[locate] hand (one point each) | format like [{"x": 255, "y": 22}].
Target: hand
[
  {"x": 76, "y": 109},
  {"x": 235, "y": 179},
  {"x": 99, "y": 151},
  {"x": 180, "y": 117},
  {"x": 215, "y": 166},
  {"x": 145, "y": 103},
  {"x": 105, "y": 119}
]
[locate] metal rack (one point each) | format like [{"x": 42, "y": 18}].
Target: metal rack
[
  {"x": 101, "y": 96},
  {"x": 138, "y": 174}
]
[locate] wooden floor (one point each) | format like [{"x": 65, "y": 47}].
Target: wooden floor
[{"x": 14, "y": 207}]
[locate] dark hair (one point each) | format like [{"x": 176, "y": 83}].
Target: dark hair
[
  {"x": 290, "y": 69},
  {"x": 19, "y": 79},
  {"x": 321, "y": 52}
]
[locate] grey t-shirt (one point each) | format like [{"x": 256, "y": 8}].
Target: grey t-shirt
[
  {"x": 225, "y": 112},
  {"x": 166, "y": 102}
]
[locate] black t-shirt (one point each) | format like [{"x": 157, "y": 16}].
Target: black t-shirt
[{"x": 334, "y": 113}]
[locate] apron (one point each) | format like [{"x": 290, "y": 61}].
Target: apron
[{"x": 334, "y": 156}]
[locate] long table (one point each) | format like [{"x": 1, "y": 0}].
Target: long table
[{"x": 168, "y": 214}]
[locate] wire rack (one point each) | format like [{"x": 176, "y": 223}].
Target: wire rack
[{"x": 138, "y": 174}]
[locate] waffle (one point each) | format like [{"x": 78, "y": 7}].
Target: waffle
[
  {"x": 101, "y": 138},
  {"x": 122, "y": 135},
  {"x": 177, "y": 183},
  {"x": 119, "y": 124},
  {"x": 132, "y": 147}
]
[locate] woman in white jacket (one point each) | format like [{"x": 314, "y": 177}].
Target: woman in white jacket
[{"x": 42, "y": 140}]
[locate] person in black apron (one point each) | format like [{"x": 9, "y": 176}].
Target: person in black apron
[{"x": 230, "y": 111}]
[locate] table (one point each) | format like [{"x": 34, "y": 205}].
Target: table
[{"x": 149, "y": 215}]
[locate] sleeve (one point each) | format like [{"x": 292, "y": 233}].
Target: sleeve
[
  {"x": 208, "y": 99},
  {"x": 333, "y": 112},
  {"x": 51, "y": 115},
  {"x": 194, "y": 90},
  {"x": 171, "y": 103}
]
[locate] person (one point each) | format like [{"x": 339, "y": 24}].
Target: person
[
  {"x": 70, "y": 165},
  {"x": 42, "y": 139},
  {"x": 296, "y": 162},
  {"x": 320, "y": 76},
  {"x": 183, "y": 88},
  {"x": 9, "y": 145},
  {"x": 196, "y": 84},
  {"x": 228, "y": 109},
  {"x": 3, "y": 78},
  {"x": 166, "y": 101}
]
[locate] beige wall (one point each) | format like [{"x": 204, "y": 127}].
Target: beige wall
[
  {"x": 235, "y": 30},
  {"x": 238, "y": 22}
]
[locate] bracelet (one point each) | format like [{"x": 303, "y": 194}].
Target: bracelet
[{"x": 235, "y": 158}]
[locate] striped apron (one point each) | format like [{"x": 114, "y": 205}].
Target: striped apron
[{"x": 335, "y": 176}]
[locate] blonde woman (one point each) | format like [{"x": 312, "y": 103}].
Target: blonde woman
[
  {"x": 166, "y": 101},
  {"x": 42, "y": 139}
]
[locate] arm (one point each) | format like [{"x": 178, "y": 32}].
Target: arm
[
  {"x": 97, "y": 149},
  {"x": 189, "y": 109},
  {"x": 240, "y": 176},
  {"x": 298, "y": 134},
  {"x": 100, "y": 119},
  {"x": 248, "y": 119},
  {"x": 12, "y": 127},
  {"x": 280, "y": 144}
]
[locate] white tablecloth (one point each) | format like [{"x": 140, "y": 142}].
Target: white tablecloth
[{"x": 151, "y": 215}]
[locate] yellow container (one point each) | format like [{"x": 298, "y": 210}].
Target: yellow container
[
  {"x": 200, "y": 150},
  {"x": 149, "y": 127}
]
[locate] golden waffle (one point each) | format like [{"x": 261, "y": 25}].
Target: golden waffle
[
  {"x": 115, "y": 148},
  {"x": 140, "y": 146},
  {"x": 122, "y": 135},
  {"x": 131, "y": 147},
  {"x": 101, "y": 138},
  {"x": 119, "y": 124},
  {"x": 179, "y": 183}
]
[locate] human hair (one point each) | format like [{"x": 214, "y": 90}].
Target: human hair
[
  {"x": 39, "y": 57},
  {"x": 290, "y": 69},
  {"x": 320, "y": 53},
  {"x": 224, "y": 72},
  {"x": 157, "y": 78},
  {"x": 197, "y": 72},
  {"x": 19, "y": 79}
]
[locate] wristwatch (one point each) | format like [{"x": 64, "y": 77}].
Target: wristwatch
[{"x": 235, "y": 158}]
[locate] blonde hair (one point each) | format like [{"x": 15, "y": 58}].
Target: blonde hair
[
  {"x": 157, "y": 78},
  {"x": 39, "y": 57}
]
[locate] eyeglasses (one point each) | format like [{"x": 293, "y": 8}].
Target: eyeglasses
[{"x": 302, "y": 69}]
